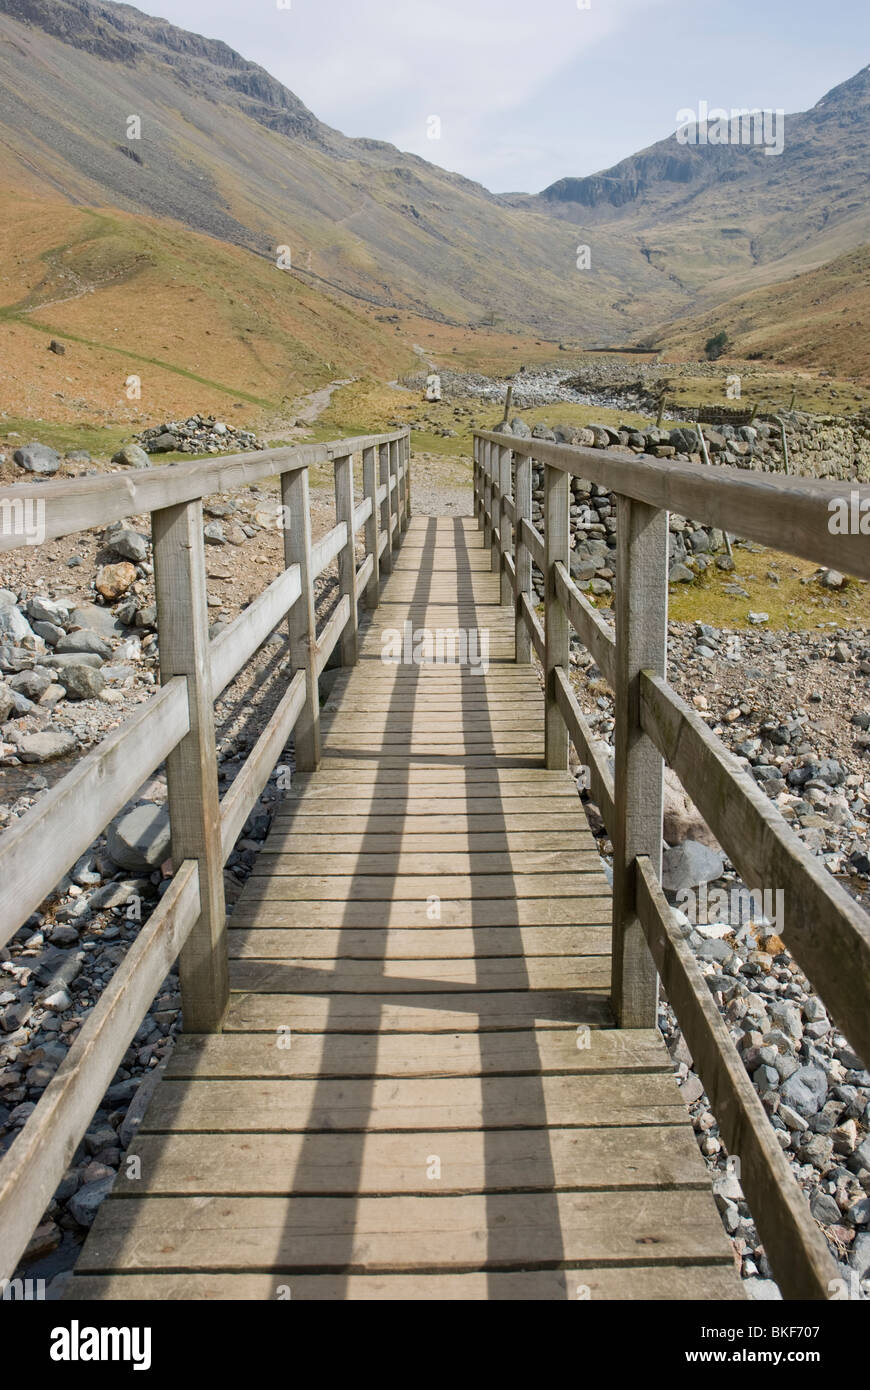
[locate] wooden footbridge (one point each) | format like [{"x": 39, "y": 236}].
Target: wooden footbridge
[{"x": 421, "y": 1058}]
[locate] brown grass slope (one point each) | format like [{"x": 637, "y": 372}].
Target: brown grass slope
[{"x": 230, "y": 152}]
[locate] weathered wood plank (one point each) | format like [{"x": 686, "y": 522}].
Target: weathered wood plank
[
  {"x": 558, "y": 1050},
  {"x": 410, "y": 944},
  {"x": 487, "y": 912},
  {"x": 424, "y": 976},
  {"x": 418, "y": 887},
  {"x": 417, "y": 1013},
  {"x": 623, "y": 1282},
  {"x": 373, "y": 1164},
  {"x": 373, "y": 1233},
  {"x": 452, "y": 1103}
]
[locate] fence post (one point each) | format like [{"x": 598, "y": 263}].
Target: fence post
[
  {"x": 301, "y": 620},
  {"x": 505, "y": 456},
  {"x": 348, "y": 642},
  {"x": 556, "y": 547},
  {"x": 487, "y": 497},
  {"x": 406, "y": 446},
  {"x": 522, "y": 554},
  {"x": 191, "y": 767},
  {"x": 475, "y": 480},
  {"x": 394, "y": 493},
  {"x": 386, "y": 506},
  {"x": 641, "y": 613},
  {"x": 494, "y": 507},
  {"x": 371, "y": 598}
]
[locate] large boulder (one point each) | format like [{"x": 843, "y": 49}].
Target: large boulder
[
  {"x": 45, "y": 747},
  {"x": 81, "y": 682},
  {"x": 84, "y": 640},
  {"x": 132, "y": 456},
  {"x": 682, "y": 819},
  {"x": 14, "y": 627},
  {"x": 689, "y": 865},
  {"x": 140, "y": 839},
  {"x": 37, "y": 458}
]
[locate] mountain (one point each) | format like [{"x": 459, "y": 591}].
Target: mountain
[
  {"x": 717, "y": 219},
  {"x": 129, "y": 228},
  {"x": 229, "y": 152}
]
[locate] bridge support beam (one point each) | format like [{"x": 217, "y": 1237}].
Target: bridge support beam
[{"x": 641, "y": 644}]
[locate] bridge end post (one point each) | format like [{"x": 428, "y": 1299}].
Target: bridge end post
[
  {"x": 191, "y": 767},
  {"x": 486, "y": 487},
  {"x": 301, "y": 619},
  {"x": 641, "y": 644},
  {"x": 557, "y": 497}
]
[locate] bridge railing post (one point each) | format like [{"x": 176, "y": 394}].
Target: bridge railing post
[
  {"x": 393, "y": 496},
  {"x": 505, "y": 458},
  {"x": 475, "y": 480},
  {"x": 406, "y": 454},
  {"x": 557, "y": 494},
  {"x": 487, "y": 494},
  {"x": 641, "y": 613},
  {"x": 344, "y": 509},
  {"x": 385, "y": 506},
  {"x": 522, "y": 554},
  {"x": 301, "y": 620},
  {"x": 495, "y": 539},
  {"x": 191, "y": 767},
  {"x": 371, "y": 597}
]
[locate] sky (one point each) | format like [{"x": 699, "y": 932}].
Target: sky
[{"x": 519, "y": 93}]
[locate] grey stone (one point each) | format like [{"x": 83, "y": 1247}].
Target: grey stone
[
  {"x": 81, "y": 682},
  {"x": 45, "y": 747},
  {"x": 805, "y": 1091},
  {"x": 85, "y": 640},
  {"x": 140, "y": 839},
  {"x": 859, "y": 1255},
  {"x": 132, "y": 456},
  {"x": 825, "y": 1209},
  {"x": 129, "y": 544},
  {"x": 84, "y": 1204},
  {"x": 688, "y": 865},
  {"x": 97, "y": 619},
  {"x": 48, "y": 610},
  {"x": 37, "y": 458}
]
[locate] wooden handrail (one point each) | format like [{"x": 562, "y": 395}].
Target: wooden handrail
[
  {"x": 827, "y": 931},
  {"x": 177, "y": 726}
]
